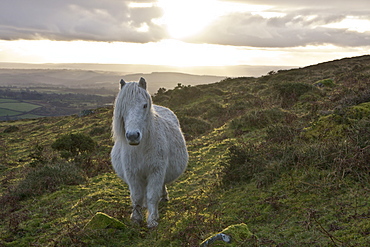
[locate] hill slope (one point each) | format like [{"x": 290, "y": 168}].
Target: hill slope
[{"x": 286, "y": 153}]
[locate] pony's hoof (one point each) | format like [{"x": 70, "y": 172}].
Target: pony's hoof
[
  {"x": 136, "y": 221},
  {"x": 165, "y": 199},
  {"x": 152, "y": 224},
  {"x": 136, "y": 218}
]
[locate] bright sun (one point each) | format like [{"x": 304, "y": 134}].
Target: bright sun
[
  {"x": 184, "y": 18},
  {"x": 187, "y": 17}
]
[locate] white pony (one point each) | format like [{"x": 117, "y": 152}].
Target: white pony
[{"x": 149, "y": 149}]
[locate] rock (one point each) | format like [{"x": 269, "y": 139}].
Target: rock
[
  {"x": 84, "y": 113},
  {"x": 234, "y": 235},
  {"x": 102, "y": 221}
]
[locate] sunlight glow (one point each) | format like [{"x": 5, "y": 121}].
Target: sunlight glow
[
  {"x": 166, "y": 52},
  {"x": 184, "y": 18},
  {"x": 353, "y": 24},
  {"x": 187, "y": 17},
  {"x": 140, "y": 5}
]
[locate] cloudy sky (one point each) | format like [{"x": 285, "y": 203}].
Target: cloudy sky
[{"x": 183, "y": 32}]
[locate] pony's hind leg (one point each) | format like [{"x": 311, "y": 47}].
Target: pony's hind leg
[{"x": 165, "y": 197}]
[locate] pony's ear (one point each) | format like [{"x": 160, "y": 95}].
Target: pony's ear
[
  {"x": 142, "y": 83},
  {"x": 122, "y": 82}
]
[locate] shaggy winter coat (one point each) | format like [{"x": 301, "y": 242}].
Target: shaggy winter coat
[{"x": 149, "y": 150}]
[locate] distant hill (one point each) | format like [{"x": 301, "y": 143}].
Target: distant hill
[
  {"x": 86, "y": 79},
  {"x": 124, "y": 69},
  {"x": 287, "y": 154},
  {"x": 169, "y": 80},
  {"x": 58, "y": 92}
]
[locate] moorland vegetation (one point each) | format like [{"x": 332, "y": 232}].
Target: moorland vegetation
[{"x": 286, "y": 153}]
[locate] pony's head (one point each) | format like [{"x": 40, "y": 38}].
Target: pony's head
[{"x": 132, "y": 111}]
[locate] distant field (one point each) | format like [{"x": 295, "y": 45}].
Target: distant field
[
  {"x": 7, "y": 112},
  {"x": 11, "y": 107},
  {"x": 8, "y": 101},
  {"x": 19, "y": 106},
  {"x": 18, "y": 103}
]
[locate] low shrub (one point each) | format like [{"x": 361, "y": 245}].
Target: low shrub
[
  {"x": 192, "y": 126},
  {"x": 11, "y": 129},
  {"x": 48, "y": 178},
  {"x": 241, "y": 164},
  {"x": 37, "y": 155},
  {"x": 73, "y": 145},
  {"x": 281, "y": 133},
  {"x": 343, "y": 154},
  {"x": 97, "y": 131},
  {"x": 289, "y": 92},
  {"x": 257, "y": 119}
]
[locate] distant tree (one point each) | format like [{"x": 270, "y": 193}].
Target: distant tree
[
  {"x": 179, "y": 86},
  {"x": 161, "y": 90}
]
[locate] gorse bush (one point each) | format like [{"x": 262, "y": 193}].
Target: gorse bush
[{"x": 73, "y": 145}]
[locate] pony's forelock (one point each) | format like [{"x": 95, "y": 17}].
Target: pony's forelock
[{"x": 128, "y": 93}]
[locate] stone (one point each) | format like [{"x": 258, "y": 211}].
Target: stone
[
  {"x": 234, "y": 235},
  {"x": 103, "y": 221}
]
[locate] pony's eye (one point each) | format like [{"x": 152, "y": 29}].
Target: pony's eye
[{"x": 145, "y": 106}]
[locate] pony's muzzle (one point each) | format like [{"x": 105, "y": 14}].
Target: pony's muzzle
[{"x": 133, "y": 137}]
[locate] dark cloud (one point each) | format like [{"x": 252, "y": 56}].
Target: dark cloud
[
  {"x": 301, "y": 23},
  {"x": 296, "y": 26},
  {"x": 108, "y": 20},
  {"x": 319, "y": 4}
]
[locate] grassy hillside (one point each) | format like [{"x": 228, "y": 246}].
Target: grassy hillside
[{"x": 287, "y": 154}]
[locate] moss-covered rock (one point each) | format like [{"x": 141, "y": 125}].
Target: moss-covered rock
[
  {"x": 234, "y": 235},
  {"x": 359, "y": 111},
  {"x": 102, "y": 221},
  {"x": 335, "y": 125},
  {"x": 326, "y": 126}
]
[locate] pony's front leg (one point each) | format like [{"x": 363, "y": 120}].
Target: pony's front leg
[
  {"x": 154, "y": 194},
  {"x": 137, "y": 193}
]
